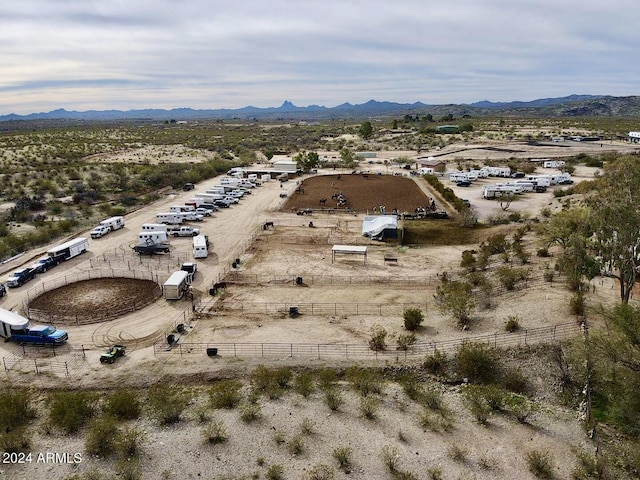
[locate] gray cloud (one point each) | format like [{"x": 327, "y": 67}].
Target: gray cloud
[{"x": 206, "y": 54}]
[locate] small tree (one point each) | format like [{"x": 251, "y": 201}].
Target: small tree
[
  {"x": 413, "y": 318},
  {"x": 454, "y": 298},
  {"x": 366, "y": 130},
  {"x": 378, "y": 340}
]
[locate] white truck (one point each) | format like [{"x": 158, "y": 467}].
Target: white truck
[
  {"x": 190, "y": 216},
  {"x": 113, "y": 223},
  {"x": 169, "y": 218},
  {"x": 185, "y": 231},
  {"x": 69, "y": 249},
  {"x": 99, "y": 231},
  {"x": 200, "y": 246}
]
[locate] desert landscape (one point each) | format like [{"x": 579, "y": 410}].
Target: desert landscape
[{"x": 390, "y": 431}]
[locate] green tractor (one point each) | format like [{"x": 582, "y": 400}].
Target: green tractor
[{"x": 114, "y": 352}]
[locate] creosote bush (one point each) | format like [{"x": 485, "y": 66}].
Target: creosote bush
[
  {"x": 540, "y": 464},
  {"x": 304, "y": 384},
  {"x": 478, "y": 363},
  {"x": 69, "y": 411},
  {"x": 342, "y": 455},
  {"x": 102, "y": 437},
  {"x": 436, "y": 363},
  {"x": 215, "y": 433},
  {"x": 378, "y": 340},
  {"x": 226, "y": 394},
  {"x": 512, "y": 324},
  {"x": 123, "y": 404},
  {"x": 413, "y": 318},
  {"x": 166, "y": 404}
]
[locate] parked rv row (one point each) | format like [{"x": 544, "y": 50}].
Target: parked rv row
[
  {"x": 54, "y": 257},
  {"x": 531, "y": 183}
]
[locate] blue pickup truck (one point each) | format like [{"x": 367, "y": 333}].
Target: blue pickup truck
[{"x": 40, "y": 335}]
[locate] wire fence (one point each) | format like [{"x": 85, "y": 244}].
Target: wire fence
[
  {"x": 59, "y": 361},
  {"x": 122, "y": 259},
  {"x": 256, "y": 308},
  {"x": 98, "y": 314},
  {"x": 530, "y": 336}
]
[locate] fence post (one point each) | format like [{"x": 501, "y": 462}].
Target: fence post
[
  {"x": 525, "y": 336},
  {"x": 291, "y": 350},
  {"x": 35, "y": 362},
  {"x": 66, "y": 368},
  {"x": 262, "y": 347}
]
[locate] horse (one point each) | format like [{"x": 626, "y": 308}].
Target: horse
[{"x": 323, "y": 201}]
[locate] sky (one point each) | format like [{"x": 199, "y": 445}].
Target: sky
[{"x": 131, "y": 54}]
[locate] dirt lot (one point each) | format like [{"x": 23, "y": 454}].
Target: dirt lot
[
  {"x": 178, "y": 451},
  {"x": 363, "y": 193}
]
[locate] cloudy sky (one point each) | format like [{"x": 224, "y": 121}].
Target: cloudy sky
[{"x": 123, "y": 54}]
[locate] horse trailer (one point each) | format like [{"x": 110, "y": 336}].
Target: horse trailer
[{"x": 69, "y": 249}]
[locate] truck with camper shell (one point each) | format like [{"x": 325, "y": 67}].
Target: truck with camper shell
[
  {"x": 185, "y": 231},
  {"x": 69, "y": 250}
]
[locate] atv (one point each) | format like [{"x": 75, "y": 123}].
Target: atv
[{"x": 114, "y": 352}]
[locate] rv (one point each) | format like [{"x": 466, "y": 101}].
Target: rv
[
  {"x": 200, "y": 246},
  {"x": 208, "y": 197},
  {"x": 539, "y": 180},
  {"x": 154, "y": 227},
  {"x": 69, "y": 249},
  {"x": 426, "y": 171},
  {"x": 553, "y": 164},
  {"x": 11, "y": 322},
  {"x": 114, "y": 223},
  {"x": 458, "y": 177},
  {"x": 176, "y": 285},
  {"x": 182, "y": 208},
  {"x": 152, "y": 237},
  {"x": 169, "y": 218},
  {"x": 230, "y": 181},
  {"x": 526, "y": 186}
]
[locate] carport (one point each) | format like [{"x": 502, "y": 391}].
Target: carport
[{"x": 349, "y": 250}]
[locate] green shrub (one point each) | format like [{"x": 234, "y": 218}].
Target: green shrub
[
  {"x": 509, "y": 277},
  {"x": 543, "y": 252},
  {"x": 69, "y": 411},
  {"x": 16, "y": 440},
  {"x": 577, "y": 305},
  {"x": 128, "y": 469},
  {"x": 271, "y": 382},
  {"x": 250, "y": 412},
  {"x": 320, "y": 472},
  {"x": 308, "y": 426},
  {"x": 413, "y": 318},
  {"x": 130, "y": 444},
  {"x": 458, "y": 453},
  {"x": 295, "y": 445},
  {"x": 215, "y": 433},
  {"x": 390, "y": 456},
  {"x": 378, "y": 340},
  {"x": 475, "y": 401},
  {"x": 342, "y": 455},
  {"x": 477, "y": 362},
  {"x": 540, "y": 464},
  {"x": 226, "y": 394},
  {"x": 512, "y": 324},
  {"x": 15, "y": 409},
  {"x": 404, "y": 341},
  {"x": 368, "y": 408},
  {"x": 334, "y": 399},
  {"x": 514, "y": 380},
  {"x": 102, "y": 437},
  {"x": 123, "y": 404},
  {"x": 327, "y": 377},
  {"x": 365, "y": 381},
  {"x": 304, "y": 384},
  {"x": 166, "y": 404},
  {"x": 436, "y": 363},
  {"x": 275, "y": 472}
]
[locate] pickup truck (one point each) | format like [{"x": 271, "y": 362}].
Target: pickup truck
[
  {"x": 185, "y": 231},
  {"x": 20, "y": 277},
  {"x": 99, "y": 231},
  {"x": 40, "y": 335},
  {"x": 45, "y": 263}
]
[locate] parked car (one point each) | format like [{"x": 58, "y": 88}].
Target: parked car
[
  {"x": 112, "y": 354},
  {"x": 188, "y": 186},
  {"x": 222, "y": 203},
  {"x": 463, "y": 183}
]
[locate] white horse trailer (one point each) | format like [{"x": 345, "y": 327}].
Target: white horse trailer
[
  {"x": 200, "y": 246},
  {"x": 11, "y": 322},
  {"x": 176, "y": 285},
  {"x": 69, "y": 249},
  {"x": 113, "y": 223}
]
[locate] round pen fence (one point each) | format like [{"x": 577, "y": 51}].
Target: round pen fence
[
  {"x": 94, "y": 315},
  {"x": 391, "y": 352}
]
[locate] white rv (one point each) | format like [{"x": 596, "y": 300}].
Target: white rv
[
  {"x": 553, "y": 163},
  {"x": 200, "y": 246},
  {"x": 69, "y": 249},
  {"x": 176, "y": 285},
  {"x": 169, "y": 218},
  {"x": 458, "y": 177},
  {"x": 154, "y": 227},
  {"x": 114, "y": 223}
]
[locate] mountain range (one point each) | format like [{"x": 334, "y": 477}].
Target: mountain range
[{"x": 569, "y": 106}]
